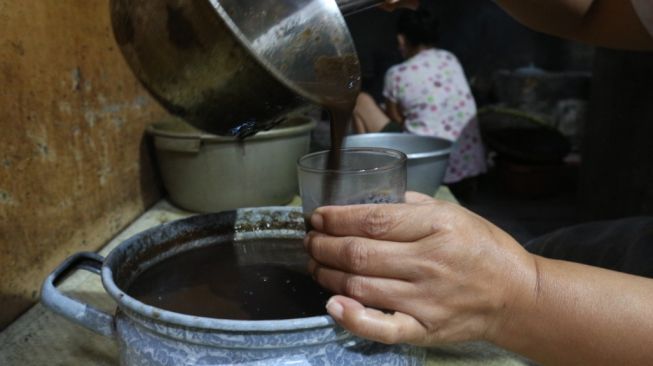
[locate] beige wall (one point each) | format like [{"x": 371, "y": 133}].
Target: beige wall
[{"x": 73, "y": 166}]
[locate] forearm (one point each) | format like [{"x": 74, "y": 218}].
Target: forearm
[
  {"x": 609, "y": 23},
  {"x": 551, "y": 16},
  {"x": 581, "y": 315}
]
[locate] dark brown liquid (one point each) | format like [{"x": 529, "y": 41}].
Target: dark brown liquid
[
  {"x": 219, "y": 281},
  {"x": 340, "y": 84},
  {"x": 243, "y": 281},
  {"x": 340, "y": 115}
]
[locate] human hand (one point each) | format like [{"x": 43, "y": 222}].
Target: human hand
[
  {"x": 448, "y": 274},
  {"x": 391, "y": 5}
]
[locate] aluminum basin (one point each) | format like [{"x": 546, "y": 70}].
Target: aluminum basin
[
  {"x": 428, "y": 157},
  {"x": 209, "y": 173}
]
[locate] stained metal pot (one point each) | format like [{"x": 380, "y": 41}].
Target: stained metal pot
[
  {"x": 428, "y": 157},
  {"x": 151, "y": 336},
  {"x": 209, "y": 173},
  {"x": 235, "y": 67}
]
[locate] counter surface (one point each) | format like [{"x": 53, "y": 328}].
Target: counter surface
[{"x": 41, "y": 337}]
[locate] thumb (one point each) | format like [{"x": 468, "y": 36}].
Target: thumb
[{"x": 373, "y": 324}]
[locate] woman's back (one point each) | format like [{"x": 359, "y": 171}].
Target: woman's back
[
  {"x": 433, "y": 93},
  {"x": 435, "y": 100}
]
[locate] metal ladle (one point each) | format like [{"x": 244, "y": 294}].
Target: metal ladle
[{"x": 235, "y": 67}]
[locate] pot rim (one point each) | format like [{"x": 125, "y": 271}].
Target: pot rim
[
  {"x": 129, "y": 304},
  {"x": 308, "y": 125},
  {"x": 403, "y": 135},
  {"x": 400, "y": 161}
]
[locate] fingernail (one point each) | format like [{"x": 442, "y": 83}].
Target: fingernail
[
  {"x": 317, "y": 221},
  {"x": 335, "y": 309}
]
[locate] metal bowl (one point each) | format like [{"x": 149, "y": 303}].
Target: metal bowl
[
  {"x": 428, "y": 157},
  {"x": 236, "y": 67},
  {"x": 209, "y": 173}
]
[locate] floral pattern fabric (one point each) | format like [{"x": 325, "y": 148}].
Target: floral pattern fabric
[{"x": 435, "y": 99}]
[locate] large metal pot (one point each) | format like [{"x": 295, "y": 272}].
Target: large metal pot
[
  {"x": 209, "y": 173},
  {"x": 153, "y": 336},
  {"x": 235, "y": 67},
  {"x": 428, "y": 157}
]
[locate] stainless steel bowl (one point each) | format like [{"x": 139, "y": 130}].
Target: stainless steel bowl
[
  {"x": 209, "y": 173},
  {"x": 236, "y": 67},
  {"x": 428, "y": 157}
]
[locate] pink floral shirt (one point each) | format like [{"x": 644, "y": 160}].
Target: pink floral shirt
[{"x": 435, "y": 99}]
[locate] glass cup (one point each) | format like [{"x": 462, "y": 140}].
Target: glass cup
[{"x": 365, "y": 175}]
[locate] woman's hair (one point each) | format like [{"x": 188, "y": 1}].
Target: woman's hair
[{"x": 419, "y": 27}]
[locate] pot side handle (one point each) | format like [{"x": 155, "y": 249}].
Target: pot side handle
[{"x": 72, "y": 309}]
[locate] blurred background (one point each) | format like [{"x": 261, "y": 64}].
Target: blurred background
[{"x": 596, "y": 99}]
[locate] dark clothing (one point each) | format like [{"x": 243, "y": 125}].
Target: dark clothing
[
  {"x": 392, "y": 127},
  {"x": 624, "y": 245}
]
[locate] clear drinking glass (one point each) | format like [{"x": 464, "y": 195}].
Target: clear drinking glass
[{"x": 365, "y": 175}]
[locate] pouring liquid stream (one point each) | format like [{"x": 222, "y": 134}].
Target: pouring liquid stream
[
  {"x": 210, "y": 282},
  {"x": 339, "y": 81}
]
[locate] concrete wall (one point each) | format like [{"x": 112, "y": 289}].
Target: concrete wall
[{"x": 74, "y": 169}]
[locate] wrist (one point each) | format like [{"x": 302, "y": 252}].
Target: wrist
[{"x": 521, "y": 297}]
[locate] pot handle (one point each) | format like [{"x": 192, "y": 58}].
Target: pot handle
[{"x": 72, "y": 309}]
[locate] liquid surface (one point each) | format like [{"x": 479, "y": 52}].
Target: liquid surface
[{"x": 253, "y": 280}]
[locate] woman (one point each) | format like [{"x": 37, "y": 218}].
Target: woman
[{"x": 427, "y": 94}]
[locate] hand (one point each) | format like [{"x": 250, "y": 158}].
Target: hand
[
  {"x": 391, "y": 5},
  {"x": 448, "y": 274}
]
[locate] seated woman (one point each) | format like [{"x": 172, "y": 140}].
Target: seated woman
[{"x": 428, "y": 94}]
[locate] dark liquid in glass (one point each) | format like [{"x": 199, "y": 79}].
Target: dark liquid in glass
[{"x": 339, "y": 84}]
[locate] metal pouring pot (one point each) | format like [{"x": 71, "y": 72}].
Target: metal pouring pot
[{"x": 236, "y": 67}]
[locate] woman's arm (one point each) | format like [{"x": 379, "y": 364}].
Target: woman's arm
[
  {"x": 608, "y": 23},
  {"x": 581, "y": 315},
  {"x": 452, "y": 276}
]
